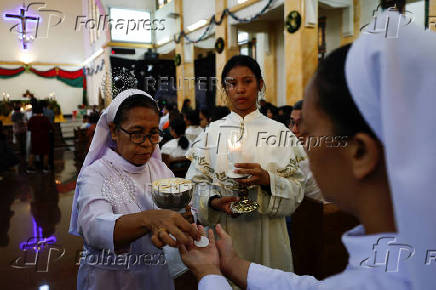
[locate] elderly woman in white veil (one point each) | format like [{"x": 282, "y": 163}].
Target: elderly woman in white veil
[{"x": 113, "y": 210}]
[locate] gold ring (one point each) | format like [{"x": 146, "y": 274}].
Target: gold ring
[{"x": 161, "y": 229}]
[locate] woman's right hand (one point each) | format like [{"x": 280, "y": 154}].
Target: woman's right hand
[
  {"x": 223, "y": 204},
  {"x": 161, "y": 223}
]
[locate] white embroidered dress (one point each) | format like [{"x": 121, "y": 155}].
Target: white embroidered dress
[
  {"x": 109, "y": 188},
  {"x": 260, "y": 237}
]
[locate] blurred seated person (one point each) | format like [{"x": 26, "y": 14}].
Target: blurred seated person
[
  {"x": 85, "y": 122},
  {"x": 175, "y": 149},
  {"x": 166, "y": 134},
  {"x": 193, "y": 128},
  {"x": 186, "y": 107},
  {"x": 284, "y": 119},
  {"x": 285, "y": 111},
  {"x": 272, "y": 112},
  {"x": 93, "y": 119},
  {"x": 204, "y": 118},
  {"x": 296, "y": 118},
  {"x": 167, "y": 108}
]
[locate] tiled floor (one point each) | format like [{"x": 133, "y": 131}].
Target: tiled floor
[
  {"x": 32, "y": 207},
  {"x": 37, "y": 206}
]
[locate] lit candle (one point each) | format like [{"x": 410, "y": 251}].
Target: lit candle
[
  {"x": 235, "y": 148},
  {"x": 235, "y": 154}
]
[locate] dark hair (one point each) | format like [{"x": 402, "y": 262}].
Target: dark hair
[
  {"x": 285, "y": 119},
  {"x": 401, "y": 4},
  {"x": 287, "y": 109},
  {"x": 298, "y": 105},
  {"x": 205, "y": 113},
  {"x": 17, "y": 108},
  {"x": 179, "y": 127},
  {"x": 335, "y": 99},
  {"x": 273, "y": 110},
  {"x": 185, "y": 102},
  {"x": 131, "y": 102},
  {"x": 193, "y": 117},
  {"x": 241, "y": 60},
  {"x": 170, "y": 107},
  {"x": 219, "y": 112},
  {"x": 44, "y": 103},
  {"x": 38, "y": 108},
  {"x": 93, "y": 117}
]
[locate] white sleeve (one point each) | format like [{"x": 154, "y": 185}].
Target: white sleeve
[
  {"x": 213, "y": 282},
  {"x": 311, "y": 188},
  {"x": 261, "y": 277},
  {"x": 96, "y": 220},
  {"x": 165, "y": 149}
]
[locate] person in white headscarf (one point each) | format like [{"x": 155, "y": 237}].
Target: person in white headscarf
[
  {"x": 391, "y": 73},
  {"x": 113, "y": 210},
  {"x": 353, "y": 176}
]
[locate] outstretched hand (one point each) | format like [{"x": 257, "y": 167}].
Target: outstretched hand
[
  {"x": 162, "y": 223},
  {"x": 202, "y": 261},
  {"x": 217, "y": 258},
  {"x": 225, "y": 248}
]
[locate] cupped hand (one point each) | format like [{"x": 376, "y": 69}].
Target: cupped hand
[
  {"x": 202, "y": 261},
  {"x": 161, "y": 223},
  {"x": 258, "y": 175},
  {"x": 225, "y": 248}
]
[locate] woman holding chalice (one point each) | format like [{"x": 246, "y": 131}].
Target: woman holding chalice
[{"x": 269, "y": 174}]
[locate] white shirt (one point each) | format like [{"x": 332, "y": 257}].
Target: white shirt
[
  {"x": 173, "y": 149},
  {"x": 163, "y": 120},
  {"x": 193, "y": 132},
  {"x": 357, "y": 275},
  {"x": 311, "y": 188}
]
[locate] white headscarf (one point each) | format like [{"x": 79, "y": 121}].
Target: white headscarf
[
  {"x": 101, "y": 141},
  {"x": 393, "y": 83}
]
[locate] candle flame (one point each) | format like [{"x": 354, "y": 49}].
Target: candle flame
[{"x": 234, "y": 143}]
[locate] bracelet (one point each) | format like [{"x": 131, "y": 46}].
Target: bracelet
[{"x": 209, "y": 204}]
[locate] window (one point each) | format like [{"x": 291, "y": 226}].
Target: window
[
  {"x": 161, "y": 3},
  {"x": 246, "y": 46},
  {"x": 130, "y": 25}
]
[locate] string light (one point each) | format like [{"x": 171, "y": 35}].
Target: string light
[
  {"x": 213, "y": 21},
  {"x": 122, "y": 79}
]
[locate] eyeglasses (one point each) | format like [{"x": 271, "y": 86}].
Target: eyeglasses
[{"x": 139, "y": 138}]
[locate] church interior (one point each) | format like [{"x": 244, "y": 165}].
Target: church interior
[{"x": 72, "y": 58}]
